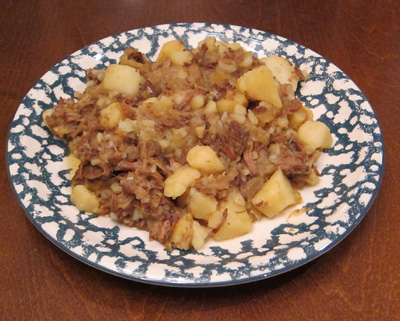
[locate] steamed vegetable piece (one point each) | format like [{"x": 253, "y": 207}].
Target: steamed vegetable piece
[
  {"x": 259, "y": 84},
  {"x": 276, "y": 194},
  {"x": 111, "y": 115},
  {"x": 283, "y": 70},
  {"x": 315, "y": 134},
  {"x": 177, "y": 183},
  {"x": 123, "y": 79},
  {"x": 231, "y": 219},
  {"x": 183, "y": 232},
  {"x": 204, "y": 159},
  {"x": 84, "y": 199},
  {"x": 202, "y": 206}
]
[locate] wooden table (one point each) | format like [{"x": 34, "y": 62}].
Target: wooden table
[{"x": 359, "y": 279}]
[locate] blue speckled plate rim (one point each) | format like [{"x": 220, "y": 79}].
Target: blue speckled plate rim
[{"x": 276, "y": 272}]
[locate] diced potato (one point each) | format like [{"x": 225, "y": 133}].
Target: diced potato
[
  {"x": 224, "y": 47},
  {"x": 45, "y": 114},
  {"x": 159, "y": 104},
  {"x": 265, "y": 114},
  {"x": 201, "y": 205},
  {"x": 170, "y": 47},
  {"x": 283, "y": 70},
  {"x": 181, "y": 57},
  {"x": 315, "y": 134},
  {"x": 276, "y": 194},
  {"x": 237, "y": 221},
  {"x": 204, "y": 159},
  {"x": 177, "y": 183},
  {"x": 111, "y": 115},
  {"x": 299, "y": 117},
  {"x": 200, "y": 233},
  {"x": 231, "y": 101},
  {"x": 200, "y": 131},
  {"x": 176, "y": 51},
  {"x": 73, "y": 163},
  {"x": 210, "y": 42},
  {"x": 122, "y": 78},
  {"x": 211, "y": 107},
  {"x": 183, "y": 232},
  {"x": 84, "y": 199},
  {"x": 259, "y": 84},
  {"x": 247, "y": 60},
  {"x": 197, "y": 101},
  {"x": 128, "y": 125},
  {"x": 227, "y": 65}
]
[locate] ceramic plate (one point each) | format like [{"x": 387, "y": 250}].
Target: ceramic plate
[{"x": 351, "y": 171}]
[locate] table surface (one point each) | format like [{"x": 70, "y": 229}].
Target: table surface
[{"x": 359, "y": 279}]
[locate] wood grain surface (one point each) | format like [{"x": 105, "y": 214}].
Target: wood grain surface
[{"x": 359, "y": 279}]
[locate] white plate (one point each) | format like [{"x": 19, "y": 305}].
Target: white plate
[{"x": 351, "y": 171}]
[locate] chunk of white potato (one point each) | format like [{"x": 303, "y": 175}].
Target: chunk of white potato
[
  {"x": 211, "y": 107},
  {"x": 231, "y": 101},
  {"x": 283, "y": 70},
  {"x": 122, "y": 78},
  {"x": 197, "y": 101},
  {"x": 177, "y": 183},
  {"x": 204, "y": 159},
  {"x": 315, "y": 134},
  {"x": 84, "y": 199},
  {"x": 45, "y": 114},
  {"x": 200, "y": 233},
  {"x": 111, "y": 115},
  {"x": 176, "y": 51},
  {"x": 275, "y": 195},
  {"x": 231, "y": 219},
  {"x": 201, "y": 205},
  {"x": 183, "y": 232},
  {"x": 181, "y": 57},
  {"x": 73, "y": 163},
  {"x": 159, "y": 104},
  {"x": 200, "y": 131},
  {"x": 300, "y": 116},
  {"x": 259, "y": 84}
]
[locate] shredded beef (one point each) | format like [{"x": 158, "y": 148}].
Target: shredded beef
[{"x": 235, "y": 136}]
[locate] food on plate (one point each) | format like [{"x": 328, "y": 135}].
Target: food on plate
[{"x": 200, "y": 143}]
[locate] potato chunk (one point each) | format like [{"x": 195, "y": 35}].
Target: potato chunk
[
  {"x": 204, "y": 159},
  {"x": 111, "y": 115},
  {"x": 283, "y": 70},
  {"x": 231, "y": 101},
  {"x": 177, "y": 183},
  {"x": 276, "y": 194},
  {"x": 259, "y": 84},
  {"x": 176, "y": 51},
  {"x": 231, "y": 219},
  {"x": 315, "y": 134},
  {"x": 183, "y": 232},
  {"x": 84, "y": 199},
  {"x": 201, "y": 205},
  {"x": 122, "y": 78},
  {"x": 200, "y": 234}
]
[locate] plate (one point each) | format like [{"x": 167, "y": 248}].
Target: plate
[{"x": 351, "y": 171}]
